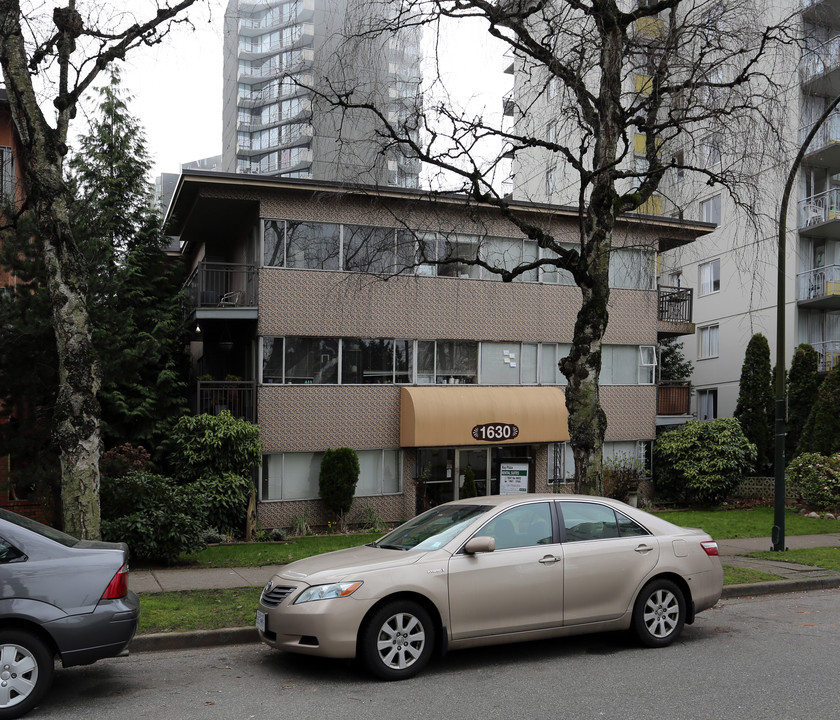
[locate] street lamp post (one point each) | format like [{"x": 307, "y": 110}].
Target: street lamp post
[{"x": 778, "y": 534}]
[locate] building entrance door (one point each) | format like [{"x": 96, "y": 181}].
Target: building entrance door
[{"x": 477, "y": 459}]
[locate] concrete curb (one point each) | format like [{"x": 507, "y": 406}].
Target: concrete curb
[{"x": 245, "y": 635}]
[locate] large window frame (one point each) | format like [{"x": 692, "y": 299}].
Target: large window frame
[
  {"x": 707, "y": 403},
  {"x": 709, "y": 277},
  {"x": 708, "y": 338}
]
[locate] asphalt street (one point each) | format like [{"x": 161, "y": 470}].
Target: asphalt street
[{"x": 748, "y": 658}]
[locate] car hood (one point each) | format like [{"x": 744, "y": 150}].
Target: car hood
[{"x": 334, "y": 566}]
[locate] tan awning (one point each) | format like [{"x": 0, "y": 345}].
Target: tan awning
[{"x": 444, "y": 416}]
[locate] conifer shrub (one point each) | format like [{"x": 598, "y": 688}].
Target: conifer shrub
[
  {"x": 817, "y": 479},
  {"x": 337, "y": 481}
]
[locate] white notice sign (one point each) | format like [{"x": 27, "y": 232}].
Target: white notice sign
[{"x": 513, "y": 478}]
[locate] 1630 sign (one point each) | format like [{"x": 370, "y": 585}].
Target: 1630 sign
[{"x": 494, "y": 432}]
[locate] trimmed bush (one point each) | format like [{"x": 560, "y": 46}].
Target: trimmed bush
[
  {"x": 622, "y": 475},
  {"x": 817, "y": 479},
  {"x": 158, "y": 518},
  {"x": 803, "y": 385},
  {"x": 822, "y": 431},
  {"x": 227, "y": 498},
  {"x": 337, "y": 480},
  {"x": 702, "y": 462},
  {"x": 755, "y": 407}
]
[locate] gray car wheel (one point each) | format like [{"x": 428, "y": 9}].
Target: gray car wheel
[
  {"x": 397, "y": 640},
  {"x": 659, "y": 613},
  {"x": 26, "y": 672}
]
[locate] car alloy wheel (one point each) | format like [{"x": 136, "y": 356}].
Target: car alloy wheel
[
  {"x": 397, "y": 640},
  {"x": 659, "y": 613},
  {"x": 26, "y": 672}
]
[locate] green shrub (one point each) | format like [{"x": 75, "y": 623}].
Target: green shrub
[
  {"x": 817, "y": 479},
  {"x": 755, "y": 406},
  {"x": 337, "y": 480},
  {"x": 702, "y": 462},
  {"x": 227, "y": 498},
  {"x": 802, "y": 390},
  {"x": 156, "y": 517},
  {"x": 822, "y": 430},
  {"x": 212, "y": 445}
]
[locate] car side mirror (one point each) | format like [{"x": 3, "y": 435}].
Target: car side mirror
[{"x": 480, "y": 544}]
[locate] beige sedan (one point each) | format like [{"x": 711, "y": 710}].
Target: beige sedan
[{"x": 493, "y": 570}]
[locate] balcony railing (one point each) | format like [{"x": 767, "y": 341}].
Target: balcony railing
[
  {"x": 818, "y": 283},
  {"x": 828, "y": 133},
  {"x": 673, "y": 398},
  {"x": 820, "y": 60},
  {"x": 214, "y": 396},
  {"x": 819, "y": 208},
  {"x": 675, "y": 304},
  {"x": 222, "y": 285},
  {"x": 829, "y": 354}
]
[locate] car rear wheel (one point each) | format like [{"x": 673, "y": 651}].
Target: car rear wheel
[
  {"x": 397, "y": 640},
  {"x": 26, "y": 672},
  {"x": 659, "y": 613}
]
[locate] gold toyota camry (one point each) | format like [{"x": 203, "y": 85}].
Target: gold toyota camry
[{"x": 492, "y": 570}]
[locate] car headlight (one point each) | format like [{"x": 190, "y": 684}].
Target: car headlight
[{"x": 327, "y": 592}]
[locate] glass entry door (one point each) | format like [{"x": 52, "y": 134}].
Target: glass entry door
[{"x": 477, "y": 460}]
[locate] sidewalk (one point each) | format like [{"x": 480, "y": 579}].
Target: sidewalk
[{"x": 796, "y": 578}]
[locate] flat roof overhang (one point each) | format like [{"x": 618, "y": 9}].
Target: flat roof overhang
[{"x": 444, "y": 416}]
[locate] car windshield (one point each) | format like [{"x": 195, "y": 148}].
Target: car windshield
[
  {"x": 37, "y": 527},
  {"x": 432, "y": 529}
]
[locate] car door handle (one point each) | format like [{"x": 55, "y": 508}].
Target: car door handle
[
  {"x": 549, "y": 559},
  {"x": 644, "y": 549}
]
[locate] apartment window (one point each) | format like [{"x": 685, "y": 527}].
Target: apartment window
[
  {"x": 708, "y": 337},
  {"x": 300, "y": 360},
  {"x": 561, "y": 464},
  {"x": 679, "y": 162},
  {"x": 647, "y": 365},
  {"x": 312, "y": 245},
  {"x": 550, "y": 180},
  {"x": 508, "y": 363},
  {"x": 553, "y": 87},
  {"x": 633, "y": 269},
  {"x": 707, "y": 404},
  {"x": 378, "y": 473},
  {"x": 620, "y": 365},
  {"x": 710, "y": 151},
  {"x": 369, "y": 249},
  {"x": 709, "y": 277},
  {"x": 551, "y": 131},
  {"x": 710, "y": 210},
  {"x": 447, "y": 362},
  {"x": 382, "y": 361}
]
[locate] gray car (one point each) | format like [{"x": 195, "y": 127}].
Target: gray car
[{"x": 59, "y": 596}]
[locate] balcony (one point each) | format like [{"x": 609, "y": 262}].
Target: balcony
[
  {"x": 824, "y": 150},
  {"x": 829, "y": 354},
  {"x": 222, "y": 290},
  {"x": 819, "y": 288},
  {"x": 214, "y": 396},
  {"x": 819, "y": 70},
  {"x": 819, "y": 215},
  {"x": 675, "y": 311},
  {"x": 673, "y": 398},
  {"x": 821, "y": 12}
]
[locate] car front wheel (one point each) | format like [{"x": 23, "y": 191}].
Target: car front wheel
[
  {"x": 397, "y": 640},
  {"x": 659, "y": 613},
  {"x": 26, "y": 672}
]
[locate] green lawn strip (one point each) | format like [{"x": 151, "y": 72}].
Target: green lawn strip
[
  {"x": 259, "y": 554},
  {"x": 824, "y": 557},
  {"x": 198, "y": 610},
  {"x": 755, "y": 522},
  {"x": 738, "y": 576}
]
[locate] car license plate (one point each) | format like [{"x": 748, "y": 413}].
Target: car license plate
[{"x": 260, "y": 621}]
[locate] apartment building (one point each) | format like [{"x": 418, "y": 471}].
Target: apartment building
[
  {"x": 278, "y": 56},
  {"x": 730, "y": 274},
  {"x": 426, "y": 373}
]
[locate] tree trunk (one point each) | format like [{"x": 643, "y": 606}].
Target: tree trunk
[{"x": 76, "y": 416}]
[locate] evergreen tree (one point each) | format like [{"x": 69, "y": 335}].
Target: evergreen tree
[
  {"x": 822, "y": 430},
  {"x": 29, "y": 377},
  {"x": 755, "y": 407},
  {"x": 802, "y": 389},
  {"x": 133, "y": 285},
  {"x": 673, "y": 367}
]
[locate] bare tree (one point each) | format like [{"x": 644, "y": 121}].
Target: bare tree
[
  {"x": 56, "y": 63},
  {"x": 612, "y": 101}
]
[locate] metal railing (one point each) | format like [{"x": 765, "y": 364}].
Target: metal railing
[
  {"x": 829, "y": 355},
  {"x": 222, "y": 285},
  {"x": 673, "y": 398},
  {"x": 818, "y": 283},
  {"x": 675, "y": 304},
  {"x": 820, "y": 60},
  {"x": 828, "y": 133},
  {"x": 214, "y": 396},
  {"x": 820, "y": 208}
]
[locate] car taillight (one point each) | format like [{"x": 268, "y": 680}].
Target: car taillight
[
  {"x": 710, "y": 546},
  {"x": 118, "y": 587}
]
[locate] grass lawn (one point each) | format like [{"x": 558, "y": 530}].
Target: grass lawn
[
  {"x": 756, "y": 522},
  {"x": 738, "y": 576},
  {"x": 198, "y": 610},
  {"x": 824, "y": 557},
  {"x": 258, "y": 554}
]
